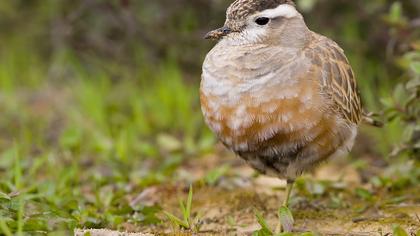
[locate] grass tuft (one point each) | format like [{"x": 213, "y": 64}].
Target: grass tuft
[{"x": 186, "y": 222}]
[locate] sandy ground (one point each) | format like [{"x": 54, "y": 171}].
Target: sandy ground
[
  {"x": 228, "y": 208},
  {"x": 106, "y": 232}
]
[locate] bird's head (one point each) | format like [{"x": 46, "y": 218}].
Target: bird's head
[{"x": 261, "y": 21}]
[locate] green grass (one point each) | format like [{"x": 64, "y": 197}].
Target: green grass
[
  {"x": 284, "y": 215},
  {"x": 69, "y": 148},
  {"x": 186, "y": 222}
]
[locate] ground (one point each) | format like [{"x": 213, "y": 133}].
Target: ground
[{"x": 334, "y": 200}]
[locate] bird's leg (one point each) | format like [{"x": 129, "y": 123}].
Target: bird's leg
[
  {"x": 288, "y": 192},
  {"x": 289, "y": 188}
]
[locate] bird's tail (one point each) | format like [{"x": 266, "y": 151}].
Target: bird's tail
[{"x": 370, "y": 119}]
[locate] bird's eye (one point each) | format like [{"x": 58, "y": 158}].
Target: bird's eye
[
  {"x": 262, "y": 20},
  {"x": 226, "y": 30}
]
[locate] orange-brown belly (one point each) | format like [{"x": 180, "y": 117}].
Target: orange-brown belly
[{"x": 281, "y": 136}]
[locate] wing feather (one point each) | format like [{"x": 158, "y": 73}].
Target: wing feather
[{"x": 337, "y": 79}]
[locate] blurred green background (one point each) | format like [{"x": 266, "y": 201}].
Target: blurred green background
[{"x": 100, "y": 92}]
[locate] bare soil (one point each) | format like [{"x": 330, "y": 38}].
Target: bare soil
[{"x": 228, "y": 207}]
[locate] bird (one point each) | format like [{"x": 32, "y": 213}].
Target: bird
[{"x": 280, "y": 96}]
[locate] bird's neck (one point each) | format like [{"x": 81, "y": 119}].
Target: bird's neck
[{"x": 295, "y": 35}]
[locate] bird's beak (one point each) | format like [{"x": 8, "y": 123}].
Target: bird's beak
[{"x": 218, "y": 33}]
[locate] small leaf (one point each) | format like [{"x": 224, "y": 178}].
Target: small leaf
[
  {"x": 400, "y": 94},
  {"x": 175, "y": 220},
  {"x": 71, "y": 137},
  {"x": 363, "y": 193},
  {"x": 5, "y": 196},
  {"x": 376, "y": 182},
  {"x": 183, "y": 210},
  {"x": 415, "y": 66},
  {"x": 286, "y": 219},
  {"x": 189, "y": 205},
  {"x": 408, "y": 133},
  {"x": 231, "y": 221},
  {"x": 396, "y": 12},
  {"x": 387, "y": 101},
  {"x": 214, "y": 175},
  {"x": 396, "y": 200},
  {"x": 412, "y": 84},
  {"x": 4, "y": 228},
  {"x": 398, "y": 231},
  {"x": 265, "y": 229},
  {"x": 285, "y": 234},
  {"x": 308, "y": 234}
]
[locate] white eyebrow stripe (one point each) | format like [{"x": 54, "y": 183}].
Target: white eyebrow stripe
[{"x": 284, "y": 10}]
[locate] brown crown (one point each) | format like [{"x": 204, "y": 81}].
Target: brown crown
[{"x": 240, "y": 9}]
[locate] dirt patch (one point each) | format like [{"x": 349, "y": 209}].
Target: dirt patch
[
  {"x": 332, "y": 201},
  {"x": 105, "y": 232}
]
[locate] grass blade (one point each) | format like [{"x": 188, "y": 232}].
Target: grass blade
[
  {"x": 183, "y": 210},
  {"x": 20, "y": 216},
  {"x": 175, "y": 220},
  {"x": 189, "y": 205},
  {"x": 286, "y": 219},
  {"x": 18, "y": 168},
  {"x": 265, "y": 229},
  {"x": 398, "y": 231},
  {"x": 4, "y": 228}
]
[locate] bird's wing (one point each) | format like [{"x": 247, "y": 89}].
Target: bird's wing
[{"x": 336, "y": 78}]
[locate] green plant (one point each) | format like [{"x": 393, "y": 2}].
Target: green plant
[
  {"x": 403, "y": 105},
  {"x": 265, "y": 228},
  {"x": 398, "y": 231},
  {"x": 285, "y": 219},
  {"x": 214, "y": 175},
  {"x": 4, "y": 228},
  {"x": 186, "y": 222}
]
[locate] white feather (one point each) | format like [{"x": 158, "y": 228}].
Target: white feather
[{"x": 284, "y": 10}]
